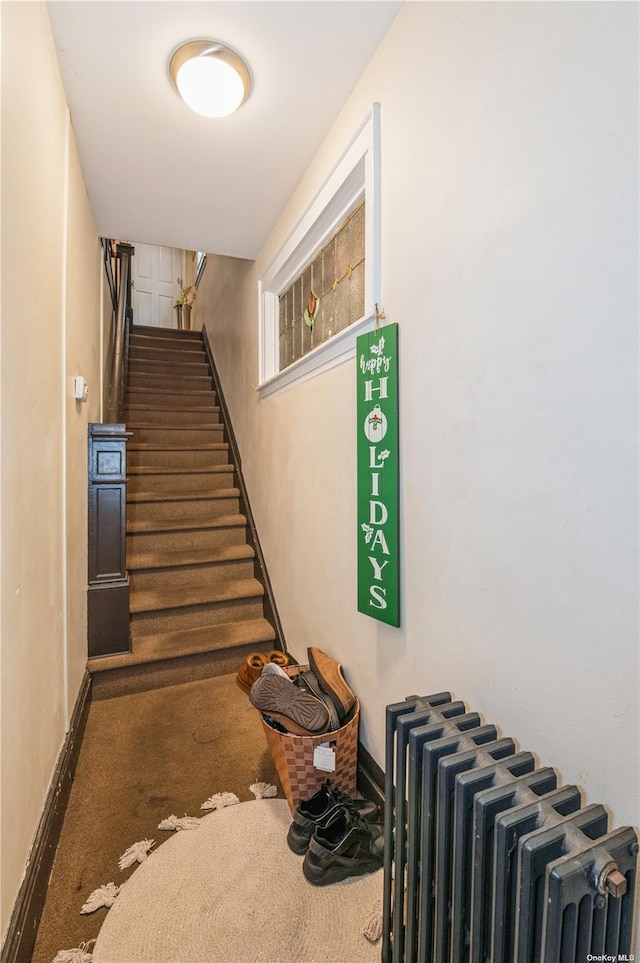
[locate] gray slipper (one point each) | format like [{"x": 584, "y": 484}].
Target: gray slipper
[
  {"x": 272, "y": 668},
  {"x": 295, "y": 709}
]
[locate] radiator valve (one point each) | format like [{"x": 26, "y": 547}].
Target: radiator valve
[{"x": 611, "y": 881}]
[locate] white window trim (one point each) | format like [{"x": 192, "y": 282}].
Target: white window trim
[{"x": 356, "y": 177}]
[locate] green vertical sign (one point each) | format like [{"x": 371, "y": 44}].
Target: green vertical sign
[{"x": 377, "y": 433}]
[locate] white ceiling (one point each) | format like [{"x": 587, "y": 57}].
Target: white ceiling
[{"x": 158, "y": 173}]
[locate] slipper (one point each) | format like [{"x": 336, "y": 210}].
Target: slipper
[
  {"x": 332, "y": 681},
  {"x": 272, "y": 668},
  {"x": 310, "y": 680},
  {"x": 250, "y": 670},
  {"x": 280, "y": 658},
  {"x": 295, "y": 709}
]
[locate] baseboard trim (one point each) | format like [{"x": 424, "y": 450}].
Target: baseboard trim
[
  {"x": 370, "y": 777},
  {"x": 27, "y": 911}
]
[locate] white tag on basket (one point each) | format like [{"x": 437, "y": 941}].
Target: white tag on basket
[{"x": 324, "y": 758}]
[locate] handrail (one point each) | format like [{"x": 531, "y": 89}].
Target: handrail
[
  {"x": 109, "y": 257},
  {"x": 119, "y": 359}
]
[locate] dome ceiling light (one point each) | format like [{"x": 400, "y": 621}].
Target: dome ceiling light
[{"x": 212, "y": 79}]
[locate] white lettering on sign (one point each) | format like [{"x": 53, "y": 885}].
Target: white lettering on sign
[
  {"x": 378, "y": 600},
  {"x": 381, "y": 389},
  {"x": 380, "y": 540},
  {"x": 377, "y": 568},
  {"x": 376, "y": 507},
  {"x": 379, "y": 362}
]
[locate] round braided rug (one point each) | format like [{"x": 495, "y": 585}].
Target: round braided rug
[{"x": 231, "y": 891}]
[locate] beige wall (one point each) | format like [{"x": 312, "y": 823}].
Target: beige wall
[
  {"x": 509, "y": 260},
  {"x": 85, "y": 278},
  {"x": 50, "y": 332}
]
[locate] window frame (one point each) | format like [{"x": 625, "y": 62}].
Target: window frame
[{"x": 355, "y": 177}]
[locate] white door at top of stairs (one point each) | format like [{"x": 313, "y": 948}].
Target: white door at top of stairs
[{"x": 155, "y": 274}]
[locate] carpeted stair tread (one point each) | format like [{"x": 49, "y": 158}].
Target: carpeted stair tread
[
  {"x": 171, "y": 408},
  {"x": 160, "y": 394},
  {"x": 185, "y": 359},
  {"x": 155, "y": 446},
  {"x": 212, "y": 638},
  {"x": 157, "y": 470},
  {"x": 142, "y": 561},
  {"x": 207, "y": 426},
  {"x": 154, "y": 426},
  {"x": 188, "y": 359},
  {"x": 166, "y": 394},
  {"x": 165, "y": 361},
  {"x": 146, "y": 359},
  {"x": 188, "y": 496},
  {"x": 166, "y": 352},
  {"x": 179, "y": 384},
  {"x": 155, "y": 331},
  {"x": 167, "y": 345},
  {"x": 140, "y": 342},
  {"x": 178, "y": 598},
  {"x": 144, "y": 375},
  {"x": 183, "y": 524}
]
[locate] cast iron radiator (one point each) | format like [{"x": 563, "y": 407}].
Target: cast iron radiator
[{"x": 487, "y": 859}]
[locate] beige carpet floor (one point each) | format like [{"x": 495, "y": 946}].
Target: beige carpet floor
[
  {"x": 145, "y": 757},
  {"x": 231, "y": 891}
]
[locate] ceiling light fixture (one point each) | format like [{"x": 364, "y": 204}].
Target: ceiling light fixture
[{"x": 212, "y": 79}]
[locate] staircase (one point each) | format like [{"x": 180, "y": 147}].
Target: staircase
[{"x": 197, "y": 608}]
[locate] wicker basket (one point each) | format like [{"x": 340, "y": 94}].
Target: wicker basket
[{"x": 293, "y": 756}]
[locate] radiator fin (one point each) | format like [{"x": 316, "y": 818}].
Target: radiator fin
[{"x": 493, "y": 863}]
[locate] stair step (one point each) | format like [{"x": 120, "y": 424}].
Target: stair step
[
  {"x": 182, "y": 524},
  {"x": 179, "y": 536},
  {"x": 167, "y": 342},
  {"x": 158, "y": 446},
  {"x": 196, "y": 495},
  {"x": 178, "y": 381},
  {"x": 166, "y": 417},
  {"x": 179, "y": 479},
  {"x": 167, "y": 457},
  {"x": 178, "y": 378},
  {"x": 142, "y": 561},
  {"x": 171, "y": 396},
  {"x": 211, "y": 638},
  {"x": 167, "y": 356},
  {"x": 145, "y": 433},
  {"x": 183, "y": 597},
  {"x": 195, "y": 407},
  {"x": 172, "y": 470},
  {"x": 185, "y": 365},
  {"x": 191, "y": 607},
  {"x": 155, "y": 331},
  {"x": 142, "y": 341},
  {"x": 160, "y": 391},
  {"x": 224, "y": 501},
  {"x": 186, "y": 568},
  {"x": 150, "y": 342}
]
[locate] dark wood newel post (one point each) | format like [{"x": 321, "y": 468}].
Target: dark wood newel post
[{"x": 108, "y": 592}]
